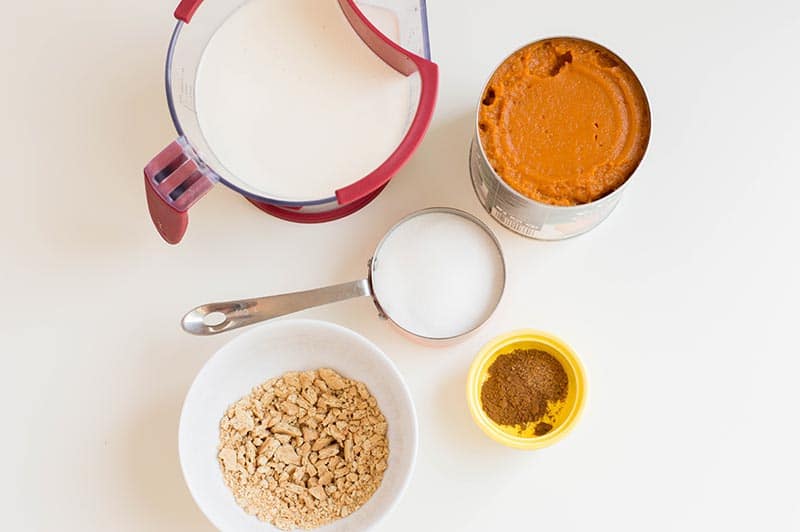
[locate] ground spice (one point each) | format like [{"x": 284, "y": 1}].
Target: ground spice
[{"x": 521, "y": 385}]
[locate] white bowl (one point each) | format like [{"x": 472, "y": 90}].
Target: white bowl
[{"x": 269, "y": 351}]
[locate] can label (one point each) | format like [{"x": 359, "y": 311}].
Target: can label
[
  {"x": 505, "y": 208},
  {"x": 527, "y": 217}
]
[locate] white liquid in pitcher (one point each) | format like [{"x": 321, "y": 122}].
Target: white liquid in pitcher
[
  {"x": 293, "y": 104},
  {"x": 438, "y": 275}
]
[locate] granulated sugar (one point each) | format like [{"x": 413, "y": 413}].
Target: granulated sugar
[{"x": 438, "y": 275}]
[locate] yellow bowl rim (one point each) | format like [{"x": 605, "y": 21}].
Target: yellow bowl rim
[{"x": 488, "y": 426}]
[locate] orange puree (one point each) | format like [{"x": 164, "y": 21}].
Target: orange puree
[{"x": 564, "y": 121}]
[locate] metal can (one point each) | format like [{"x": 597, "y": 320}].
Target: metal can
[{"x": 524, "y": 215}]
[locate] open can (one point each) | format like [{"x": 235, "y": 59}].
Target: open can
[{"x": 526, "y": 216}]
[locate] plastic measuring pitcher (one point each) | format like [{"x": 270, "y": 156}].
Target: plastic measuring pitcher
[{"x": 188, "y": 168}]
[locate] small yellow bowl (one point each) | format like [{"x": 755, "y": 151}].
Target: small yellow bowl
[{"x": 565, "y": 418}]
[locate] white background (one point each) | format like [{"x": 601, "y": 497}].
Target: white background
[{"x": 682, "y": 305}]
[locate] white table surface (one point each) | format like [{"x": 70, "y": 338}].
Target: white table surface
[{"x": 682, "y": 305}]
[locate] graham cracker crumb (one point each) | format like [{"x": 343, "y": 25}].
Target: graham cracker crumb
[{"x": 304, "y": 449}]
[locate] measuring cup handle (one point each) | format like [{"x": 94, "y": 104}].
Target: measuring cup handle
[
  {"x": 173, "y": 182},
  {"x": 235, "y": 314}
]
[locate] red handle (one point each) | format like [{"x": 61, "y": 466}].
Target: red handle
[
  {"x": 185, "y": 10},
  {"x": 173, "y": 182},
  {"x": 406, "y": 63}
]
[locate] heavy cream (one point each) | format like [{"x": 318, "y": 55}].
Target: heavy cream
[
  {"x": 438, "y": 275},
  {"x": 293, "y": 104}
]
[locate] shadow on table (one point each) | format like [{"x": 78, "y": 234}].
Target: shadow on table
[
  {"x": 149, "y": 457},
  {"x": 455, "y": 421},
  {"x": 439, "y": 171},
  {"x": 97, "y": 204}
]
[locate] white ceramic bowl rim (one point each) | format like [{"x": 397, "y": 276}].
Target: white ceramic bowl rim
[{"x": 249, "y": 360}]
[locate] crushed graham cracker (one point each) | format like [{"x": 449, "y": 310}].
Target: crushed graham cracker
[{"x": 304, "y": 449}]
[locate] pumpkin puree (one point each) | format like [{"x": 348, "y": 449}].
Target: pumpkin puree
[{"x": 564, "y": 121}]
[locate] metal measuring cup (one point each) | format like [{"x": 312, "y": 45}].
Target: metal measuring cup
[{"x": 215, "y": 318}]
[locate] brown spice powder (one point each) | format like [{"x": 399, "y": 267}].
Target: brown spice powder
[{"x": 520, "y": 386}]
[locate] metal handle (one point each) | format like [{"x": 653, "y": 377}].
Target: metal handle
[{"x": 214, "y": 318}]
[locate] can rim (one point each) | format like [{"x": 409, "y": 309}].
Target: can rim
[{"x": 614, "y": 193}]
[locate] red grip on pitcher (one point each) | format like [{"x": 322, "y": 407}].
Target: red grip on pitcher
[
  {"x": 185, "y": 10},
  {"x": 173, "y": 182},
  {"x": 406, "y": 63}
]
